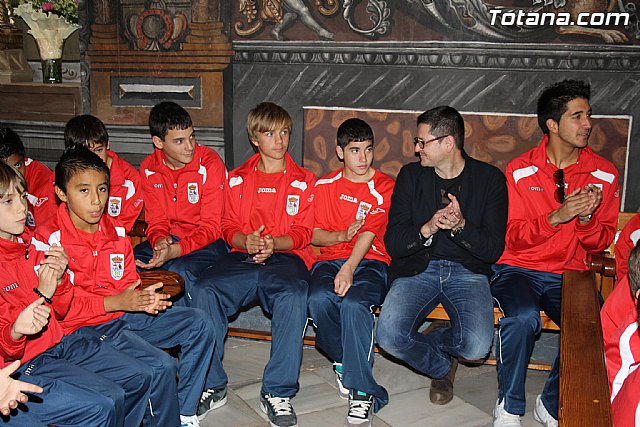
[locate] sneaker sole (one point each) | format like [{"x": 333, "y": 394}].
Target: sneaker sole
[
  {"x": 360, "y": 423},
  {"x": 264, "y": 409},
  {"x": 217, "y": 405}
]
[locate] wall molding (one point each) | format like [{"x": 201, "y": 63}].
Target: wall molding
[{"x": 458, "y": 55}]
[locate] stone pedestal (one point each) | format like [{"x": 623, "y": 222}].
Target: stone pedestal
[{"x": 14, "y": 67}]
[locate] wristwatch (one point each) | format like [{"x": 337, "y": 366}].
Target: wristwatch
[{"x": 456, "y": 231}]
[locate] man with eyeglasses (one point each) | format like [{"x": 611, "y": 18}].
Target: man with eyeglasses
[
  {"x": 447, "y": 225},
  {"x": 563, "y": 204}
]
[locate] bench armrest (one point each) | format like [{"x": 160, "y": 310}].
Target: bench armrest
[{"x": 173, "y": 283}]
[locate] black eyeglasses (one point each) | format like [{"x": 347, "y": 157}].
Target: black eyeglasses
[
  {"x": 422, "y": 143},
  {"x": 558, "y": 177}
]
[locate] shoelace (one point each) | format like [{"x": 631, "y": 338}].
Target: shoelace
[
  {"x": 280, "y": 405},
  {"x": 359, "y": 408},
  {"x": 206, "y": 394}
]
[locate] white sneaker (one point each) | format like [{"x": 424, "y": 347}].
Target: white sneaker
[
  {"x": 502, "y": 418},
  {"x": 191, "y": 421},
  {"x": 543, "y": 416},
  {"x": 342, "y": 391},
  {"x": 360, "y": 407}
]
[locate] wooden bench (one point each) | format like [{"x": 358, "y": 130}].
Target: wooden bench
[{"x": 584, "y": 387}]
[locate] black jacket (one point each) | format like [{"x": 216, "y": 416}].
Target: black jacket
[{"x": 415, "y": 199}]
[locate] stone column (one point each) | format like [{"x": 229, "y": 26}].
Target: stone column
[{"x": 13, "y": 65}]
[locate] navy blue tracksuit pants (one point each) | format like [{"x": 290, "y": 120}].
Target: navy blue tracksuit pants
[
  {"x": 280, "y": 286},
  {"x": 189, "y": 266},
  {"x": 143, "y": 336},
  {"x": 344, "y": 325},
  {"x": 86, "y": 383},
  {"x": 521, "y": 293}
]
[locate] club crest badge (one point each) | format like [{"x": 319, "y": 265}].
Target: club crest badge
[
  {"x": 31, "y": 221},
  {"x": 192, "y": 189},
  {"x": 115, "y": 206},
  {"x": 293, "y": 204},
  {"x": 363, "y": 210},
  {"x": 117, "y": 266}
]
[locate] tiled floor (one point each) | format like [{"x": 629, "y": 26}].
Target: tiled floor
[{"x": 318, "y": 405}]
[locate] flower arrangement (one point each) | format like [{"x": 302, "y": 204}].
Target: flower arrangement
[
  {"x": 67, "y": 9},
  {"x": 50, "y": 22}
]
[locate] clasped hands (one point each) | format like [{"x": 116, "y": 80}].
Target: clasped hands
[
  {"x": 164, "y": 250},
  {"x": 581, "y": 203},
  {"x": 448, "y": 218},
  {"x": 260, "y": 247}
]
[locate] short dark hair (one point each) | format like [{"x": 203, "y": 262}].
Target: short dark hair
[
  {"x": 167, "y": 116},
  {"x": 353, "y": 130},
  {"x": 10, "y": 143},
  {"x": 552, "y": 103},
  {"x": 81, "y": 130},
  {"x": 444, "y": 120},
  {"x": 10, "y": 175},
  {"x": 75, "y": 160}
]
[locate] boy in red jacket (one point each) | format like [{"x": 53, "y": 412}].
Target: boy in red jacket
[
  {"x": 183, "y": 188},
  {"x": 627, "y": 240},
  {"x": 563, "y": 204},
  {"x": 41, "y": 197},
  {"x": 619, "y": 317},
  {"x": 132, "y": 320},
  {"x": 125, "y": 194},
  {"x": 268, "y": 221},
  {"x": 34, "y": 287},
  {"x": 349, "y": 281}
]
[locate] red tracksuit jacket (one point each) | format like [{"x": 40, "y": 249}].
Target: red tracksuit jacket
[
  {"x": 619, "y": 319},
  {"x": 125, "y": 194},
  {"x": 531, "y": 242},
  {"x": 190, "y": 208},
  {"x": 100, "y": 268},
  {"x": 339, "y": 202},
  {"x": 41, "y": 195},
  {"x": 626, "y": 241},
  {"x": 293, "y": 211},
  {"x": 18, "y": 277}
]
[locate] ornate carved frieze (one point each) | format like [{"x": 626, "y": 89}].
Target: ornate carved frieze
[{"x": 468, "y": 55}]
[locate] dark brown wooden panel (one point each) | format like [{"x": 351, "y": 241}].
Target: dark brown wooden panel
[{"x": 40, "y": 102}]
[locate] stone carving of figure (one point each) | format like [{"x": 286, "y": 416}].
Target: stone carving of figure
[
  {"x": 104, "y": 11},
  {"x": 296, "y": 9},
  {"x": 5, "y": 10},
  {"x": 204, "y": 11}
]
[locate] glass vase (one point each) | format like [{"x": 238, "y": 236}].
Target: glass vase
[{"x": 52, "y": 71}]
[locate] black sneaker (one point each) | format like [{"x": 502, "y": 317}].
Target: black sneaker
[
  {"x": 360, "y": 405},
  {"x": 279, "y": 411},
  {"x": 211, "y": 399}
]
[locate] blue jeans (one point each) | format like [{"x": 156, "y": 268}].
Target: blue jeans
[
  {"x": 280, "y": 286},
  {"x": 344, "y": 325},
  {"x": 466, "y": 298},
  {"x": 189, "y": 266},
  {"x": 520, "y": 294}
]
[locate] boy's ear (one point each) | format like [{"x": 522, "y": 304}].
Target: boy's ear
[
  {"x": 340, "y": 153},
  {"x": 552, "y": 125},
  {"x": 61, "y": 194},
  {"x": 157, "y": 142}
]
